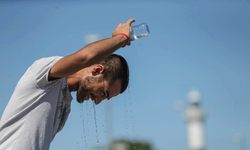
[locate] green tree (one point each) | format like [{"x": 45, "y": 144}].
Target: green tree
[{"x": 128, "y": 145}]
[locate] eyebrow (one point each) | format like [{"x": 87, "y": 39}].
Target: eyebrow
[{"x": 107, "y": 92}]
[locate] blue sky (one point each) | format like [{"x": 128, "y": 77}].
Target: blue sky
[{"x": 193, "y": 45}]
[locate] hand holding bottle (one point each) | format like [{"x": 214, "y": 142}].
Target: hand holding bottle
[
  {"x": 124, "y": 28},
  {"x": 131, "y": 33}
]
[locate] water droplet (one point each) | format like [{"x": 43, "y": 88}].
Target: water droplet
[
  {"x": 126, "y": 120},
  {"x": 83, "y": 125},
  {"x": 87, "y": 110},
  {"x": 96, "y": 125},
  {"x": 131, "y": 110}
]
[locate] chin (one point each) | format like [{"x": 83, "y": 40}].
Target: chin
[
  {"x": 79, "y": 101},
  {"x": 82, "y": 99}
]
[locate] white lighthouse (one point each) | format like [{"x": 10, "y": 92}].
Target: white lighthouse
[{"x": 195, "y": 122}]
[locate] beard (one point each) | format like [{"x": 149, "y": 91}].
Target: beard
[
  {"x": 81, "y": 95},
  {"x": 85, "y": 88}
]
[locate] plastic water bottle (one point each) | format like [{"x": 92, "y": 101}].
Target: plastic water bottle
[{"x": 139, "y": 31}]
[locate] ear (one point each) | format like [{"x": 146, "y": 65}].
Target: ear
[{"x": 97, "y": 69}]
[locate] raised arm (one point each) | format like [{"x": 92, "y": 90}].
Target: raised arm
[{"x": 91, "y": 54}]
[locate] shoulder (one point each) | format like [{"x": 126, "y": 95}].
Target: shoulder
[
  {"x": 40, "y": 69},
  {"x": 47, "y": 60}
]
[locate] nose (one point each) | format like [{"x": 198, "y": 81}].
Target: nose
[{"x": 99, "y": 100}]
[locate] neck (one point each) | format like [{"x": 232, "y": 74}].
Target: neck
[
  {"x": 74, "y": 79},
  {"x": 73, "y": 82}
]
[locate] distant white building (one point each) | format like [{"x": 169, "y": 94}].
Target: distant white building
[{"x": 195, "y": 122}]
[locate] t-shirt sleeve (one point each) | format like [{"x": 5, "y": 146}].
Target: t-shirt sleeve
[{"x": 41, "y": 69}]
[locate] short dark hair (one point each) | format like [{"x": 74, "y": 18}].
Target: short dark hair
[{"x": 116, "y": 68}]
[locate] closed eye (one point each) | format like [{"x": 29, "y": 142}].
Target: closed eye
[{"x": 107, "y": 95}]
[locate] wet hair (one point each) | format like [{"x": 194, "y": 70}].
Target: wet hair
[{"x": 116, "y": 68}]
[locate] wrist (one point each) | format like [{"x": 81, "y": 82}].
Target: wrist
[{"x": 125, "y": 36}]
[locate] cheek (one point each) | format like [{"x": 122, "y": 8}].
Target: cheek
[
  {"x": 96, "y": 91},
  {"x": 96, "y": 88},
  {"x": 83, "y": 89}
]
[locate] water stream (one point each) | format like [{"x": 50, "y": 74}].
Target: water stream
[
  {"x": 96, "y": 128},
  {"x": 85, "y": 113},
  {"x": 131, "y": 113},
  {"x": 83, "y": 126}
]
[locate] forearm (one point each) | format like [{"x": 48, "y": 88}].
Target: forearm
[
  {"x": 98, "y": 51},
  {"x": 87, "y": 56}
]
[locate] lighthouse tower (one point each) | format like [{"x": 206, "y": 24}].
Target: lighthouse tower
[{"x": 195, "y": 122}]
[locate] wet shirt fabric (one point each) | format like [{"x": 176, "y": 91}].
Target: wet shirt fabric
[{"x": 37, "y": 110}]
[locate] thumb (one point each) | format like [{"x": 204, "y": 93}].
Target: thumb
[{"x": 130, "y": 21}]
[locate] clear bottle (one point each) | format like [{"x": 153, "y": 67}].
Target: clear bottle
[{"x": 139, "y": 31}]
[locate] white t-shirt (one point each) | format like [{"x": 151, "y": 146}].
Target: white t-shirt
[{"x": 37, "y": 110}]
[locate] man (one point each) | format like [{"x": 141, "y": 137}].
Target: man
[{"x": 40, "y": 104}]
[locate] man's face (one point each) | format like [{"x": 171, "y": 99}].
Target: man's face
[{"x": 97, "y": 89}]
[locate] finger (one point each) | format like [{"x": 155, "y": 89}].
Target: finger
[
  {"x": 130, "y": 21},
  {"x": 119, "y": 25},
  {"x": 128, "y": 43}
]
